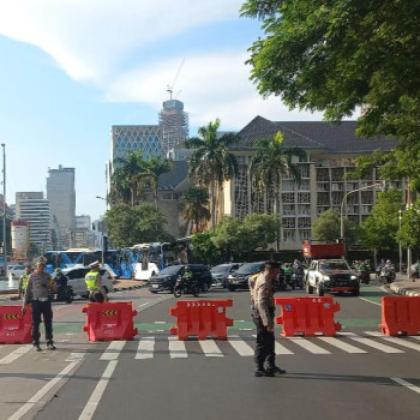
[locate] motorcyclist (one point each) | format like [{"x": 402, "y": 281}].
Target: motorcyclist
[
  {"x": 61, "y": 284},
  {"x": 288, "y": 272}
]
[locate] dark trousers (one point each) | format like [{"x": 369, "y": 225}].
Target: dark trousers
[
  {"x": 44, "y": 309},
  {"x": 265, "y": 357}
]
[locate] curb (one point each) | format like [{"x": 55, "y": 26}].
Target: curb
[
  {"x": 122, "y": 289},
  {"x": 404, "y": 291}
]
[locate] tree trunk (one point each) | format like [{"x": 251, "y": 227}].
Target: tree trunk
[
  {"x": 265, "y": 201},
  {"x": 213, "y": 205}
]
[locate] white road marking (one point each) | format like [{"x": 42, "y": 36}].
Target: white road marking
[
  {"x": 143, "y": 304},
  {"x": 210, "y": 348},
  {"x": 98, "y": 392},
  {"x": 395, "y": 340},
  {"x": 75, "y": 357},
  {"x": 370, "y": 301},
  {"x": 279, "y": 348},
  {"x": 415, "y": 337},
  {"x": 376, "y": 345},
  {"x": 146, "y": 348},
  {"x": 177, "y": 349},
  {"x": 308, "y": 345},
  {"x": 160, "y": 322},
  {"x": 348, "y": 348},
  {"x": 15, "y": 354},
  {"x": 242, "y": 348},
  {"x": 113, "y": 351},
  {"x": 406, "y": 384},
  {"x": 66, "y": 373}
]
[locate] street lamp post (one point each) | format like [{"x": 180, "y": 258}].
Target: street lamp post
[
  {"x": 102, "y": 230},
  {"x": 367, "y": 187},
  {"x": 400, "y": 244},
  {"x": 4, "y": 211}
]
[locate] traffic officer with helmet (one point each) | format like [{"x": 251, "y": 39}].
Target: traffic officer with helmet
[
  {"x": 38, "y": 293},
  {"x": 93, "y": 283}
]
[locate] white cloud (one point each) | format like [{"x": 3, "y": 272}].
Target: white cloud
[
  {"x": 88, "y": 38},
  {"x": 212, "y": 85}
]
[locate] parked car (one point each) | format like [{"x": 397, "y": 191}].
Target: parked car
[
  {"x": 166, "y": 279},
  {"x": 17, "y": 270},
  {"x": 76, "y": 280},
  {"x": 220, "y": 273},
  {"x": 239, "y": 278}
]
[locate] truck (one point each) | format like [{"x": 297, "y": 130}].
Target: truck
[{"x": 328, "y": 270}]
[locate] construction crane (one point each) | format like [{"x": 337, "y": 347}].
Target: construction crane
[{"x": 170, "y": 88}]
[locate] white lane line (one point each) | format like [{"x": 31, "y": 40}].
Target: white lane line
[
  {"x": 146, "y": 348},
  {"x": 308, "y": 345},
  {"x": 177, "y": 349},
  {"x": 374, "y": 344},
  {"x": 406, "y": 384},
  {"x": 15, "y": 355},
  {"x": 66, "y": 373},
  {"x": 370, "y": 301},
  {"x": 210, "y": 348},
  {"x": 113, "y": 351},
  {"x": 279, "y": 348},
  {"x": 75, "y": 357},
  {"x": 98, "y": 392},
  {"x": 395, "y": 340},
  {"x": 242, "y": 348},
  {"x": 348, "y": 348},
  {"x": 143, "y": 304}
]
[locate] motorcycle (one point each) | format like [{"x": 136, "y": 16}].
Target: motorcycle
[
  {"x": 182, "y": 286},
  {"x": 364, "y": 275},
  {"x": 297, "y": 280},
  {"x": 63, "y": 294},
  {"x": 387, "y": 275}
]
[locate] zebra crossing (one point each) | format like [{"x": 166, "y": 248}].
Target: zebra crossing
[{"x": 153, "y": 346}]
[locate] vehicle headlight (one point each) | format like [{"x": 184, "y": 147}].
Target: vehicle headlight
[
  {"x": 327, "y": 278},
  {"x": 230, "y": 277},
  {"x": 353, "y": 277}
]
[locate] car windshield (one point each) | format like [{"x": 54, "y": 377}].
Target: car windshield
[
  {"x": 334, "y": 266},
  {"x": 221, "y": 268},
  {"x": 249, "y": 268},
  {"x": 170, "y": 271}
]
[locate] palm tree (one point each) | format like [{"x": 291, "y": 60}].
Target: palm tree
[
  {"x": 211, "y": 162},
  {"x": 130, "y": 175},
  {"x": 271, "y": 162},
  {"x": 155, "y": 167},
  {"x": 195, "y": 206}
]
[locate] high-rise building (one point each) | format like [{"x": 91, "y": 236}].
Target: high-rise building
[
  {"x": 173, "y": 122},
  {"x": 82, "y": 235},
  {"x": 34, "y": 209},
  {"x": 20, "y": 239},
  {"x": 62, "y": 197}
]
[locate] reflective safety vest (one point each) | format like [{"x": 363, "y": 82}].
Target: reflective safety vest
[
  {"x": 93, "y": 281},
  {"x": 23, "y": 283}
]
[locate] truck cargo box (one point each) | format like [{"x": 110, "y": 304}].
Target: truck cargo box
[{"x": 313, "y": 249}]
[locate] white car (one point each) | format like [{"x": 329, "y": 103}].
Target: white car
[
  {"x": 76, "y": 280},
  {"x": 145, "y": 271},
  {"x": 16, "y": 270}
]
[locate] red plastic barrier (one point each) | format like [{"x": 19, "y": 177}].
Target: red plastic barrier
[
  {"x": 110, "y": 321},
  {"x": 400, "y": 315},
  {"x": 201, "y": 318},
  {"x": 15, "y": 328},
  {"x": 308, "y": 316}
]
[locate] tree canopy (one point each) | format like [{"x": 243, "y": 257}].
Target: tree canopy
[
  {"x": 335, "y": 56},
  {"x": 327, "y": 228}
]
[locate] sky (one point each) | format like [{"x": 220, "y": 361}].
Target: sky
[{"x": 71, "y": 69}]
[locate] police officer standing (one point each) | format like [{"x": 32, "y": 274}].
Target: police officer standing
[
  {"x": 93, "y": 283},
  {"x": 38, "y": 294},
  {"x": 263, "y": 317}
]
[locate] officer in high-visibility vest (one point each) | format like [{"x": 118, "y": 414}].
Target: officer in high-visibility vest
[
  {"x": 24, "y": 280},
  {"x": 93, "y": 280}
]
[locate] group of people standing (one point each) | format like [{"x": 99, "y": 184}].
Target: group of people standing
[{"x": 37, "y": 287}]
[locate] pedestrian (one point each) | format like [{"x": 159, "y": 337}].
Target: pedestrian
[
  {"x": 38, "y": 293},
  {"x": 24, "y": 280},
  {"x": 263, "y": 317}
]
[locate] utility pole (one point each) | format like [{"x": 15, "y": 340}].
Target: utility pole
[{"x": 4, "y": 211}]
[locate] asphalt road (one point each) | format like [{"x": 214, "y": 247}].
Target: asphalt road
[{"x": 356, "y": 376}]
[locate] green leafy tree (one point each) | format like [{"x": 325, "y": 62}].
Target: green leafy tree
[
  {"x": 204, "y": 249},
  {"x": 211, "y": 162},
  {"x": 228, "y": 236},
  {"x": 154, "y": 168},
  {"x": 410, "y": 226},
  {"x": 379, "y": 230},
  {"x": 338, "y": 55},
  {"x": 129, "y": 225},
  {"x": 195, "y": 206},
  {"x": 327, "y": 228}
]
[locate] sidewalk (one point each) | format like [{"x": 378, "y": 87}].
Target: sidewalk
[
  {"x": 120, "y": 285},
  {"x": 405, "y": 287}
]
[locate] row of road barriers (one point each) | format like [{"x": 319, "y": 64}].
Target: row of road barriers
[{"x": 207, "y": 318}]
